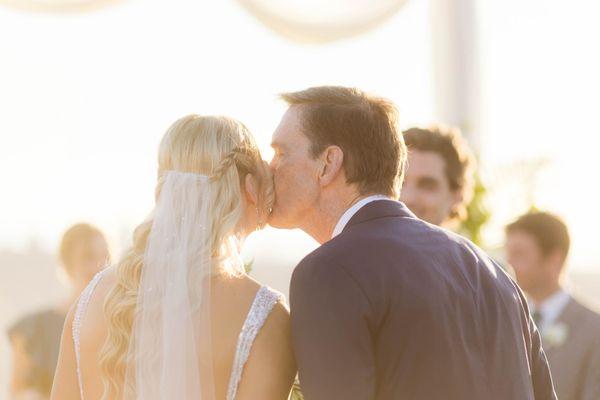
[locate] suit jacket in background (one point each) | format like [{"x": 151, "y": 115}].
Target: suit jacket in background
[
  {"x": 575, "y": 363},
  {"x": 395, "y": 308}
]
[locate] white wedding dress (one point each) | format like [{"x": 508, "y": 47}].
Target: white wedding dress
[{"x": 262, "y": 306}]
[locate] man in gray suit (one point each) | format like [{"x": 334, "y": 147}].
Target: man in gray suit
[{"x": 537, "y": 246}]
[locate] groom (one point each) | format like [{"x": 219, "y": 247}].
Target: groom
[{"x": 389, "y": 307}]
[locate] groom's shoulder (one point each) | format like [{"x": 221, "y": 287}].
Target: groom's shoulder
[
  {"x": 321, "y": 254},
  {"x": 324, "y": 260},
  {"x": 335, "y": 259}
]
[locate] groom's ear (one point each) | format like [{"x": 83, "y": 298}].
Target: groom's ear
[{"x": 332, "y": 159}]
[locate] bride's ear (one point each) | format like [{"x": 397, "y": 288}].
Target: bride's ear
[{"x": 250, "y": 189}]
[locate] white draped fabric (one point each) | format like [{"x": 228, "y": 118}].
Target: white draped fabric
[
  {"x": 59, "y": 5},
  {"x": 456, "y": 61},
  {"x": 319, "y": 21}
]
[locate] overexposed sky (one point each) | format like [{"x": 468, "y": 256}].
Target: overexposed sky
[
  {"x": 540, "y": 85},
  {"x": 85, "y": 98}
]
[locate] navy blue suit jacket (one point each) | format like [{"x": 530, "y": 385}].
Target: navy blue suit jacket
[{"x": 395, "y": 308}]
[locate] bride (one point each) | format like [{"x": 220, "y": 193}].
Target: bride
[{"x": 178, "y": 318}]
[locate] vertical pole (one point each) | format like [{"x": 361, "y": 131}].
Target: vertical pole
[{"x": 455, "y": 39}]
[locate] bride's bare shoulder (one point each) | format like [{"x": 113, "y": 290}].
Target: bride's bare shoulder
[
  {"x": 95, "y": 307},
  {"x": 271, "y": 366},
  {"x": 109, "y": 278}
]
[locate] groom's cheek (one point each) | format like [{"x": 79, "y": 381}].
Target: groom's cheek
[{"x": 281, "y": 179}]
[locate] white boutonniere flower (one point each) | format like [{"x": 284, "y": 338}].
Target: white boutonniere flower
[{"x": 555, "y": 335}]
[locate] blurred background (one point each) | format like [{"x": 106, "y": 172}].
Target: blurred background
[{"x": 88, "y": 87}]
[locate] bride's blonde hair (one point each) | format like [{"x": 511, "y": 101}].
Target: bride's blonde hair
[{"x": 223, "y": 149}]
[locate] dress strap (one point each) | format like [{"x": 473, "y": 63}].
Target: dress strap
[
  {"x": 262, "y": 306},
  {"x": 82, "y": 304}
]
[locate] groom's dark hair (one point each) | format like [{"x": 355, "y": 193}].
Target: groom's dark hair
[{"x": 363, "y": 126}]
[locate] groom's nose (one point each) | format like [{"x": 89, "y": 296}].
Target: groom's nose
[{"x": 272, "y": 165}]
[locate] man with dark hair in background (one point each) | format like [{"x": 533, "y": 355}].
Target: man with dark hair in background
[
  {"x": 438, "y": 183},
  {"x": 537, "y": 245}
]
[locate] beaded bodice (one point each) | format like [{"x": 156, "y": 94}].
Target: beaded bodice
[
  {"x": 82, "y": 304},
  {"x": 264, "y": 302}
]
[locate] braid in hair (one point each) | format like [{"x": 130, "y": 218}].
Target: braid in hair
[
  {"x": 227, "y": 162},
  {"x": 242, "y": 157}
]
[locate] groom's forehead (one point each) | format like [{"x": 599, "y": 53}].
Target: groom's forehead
[
  {"x": 285, "y": 134},
  {"x": 290, "y": 132},
  {"x": 278, "y": 139},
  {"x": 285, "y": 139}
]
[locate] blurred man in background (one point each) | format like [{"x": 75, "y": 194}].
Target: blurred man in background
[
  {"x": 438, "y": 183},
  {"x": 537, "y": 245},
  {"x": 35, "y": 338}
]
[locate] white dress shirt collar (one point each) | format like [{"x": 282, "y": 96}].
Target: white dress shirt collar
[
  {"x": 551, "y": 308},
  {"x": 353, "y": 210}
]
